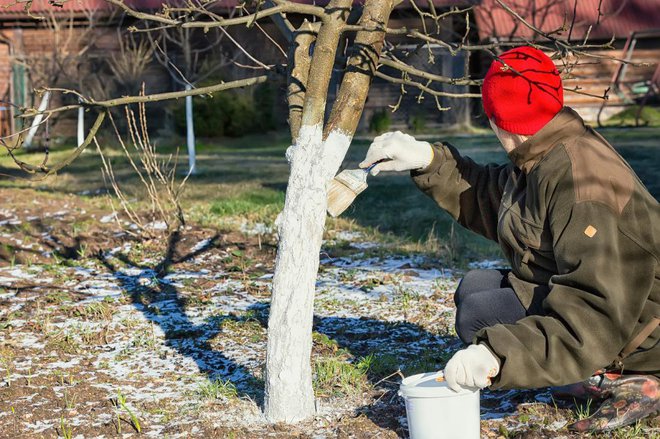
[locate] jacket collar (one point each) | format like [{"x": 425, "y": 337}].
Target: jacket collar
[{"x": 566, "y": 123}]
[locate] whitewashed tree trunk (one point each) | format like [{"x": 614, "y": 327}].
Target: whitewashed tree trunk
[
  {"x": 315, "y": 159},
  {"x": 300, "y": 226},
  {"x": 190, "y": 133},
  {"x": 36, "y": 121}
]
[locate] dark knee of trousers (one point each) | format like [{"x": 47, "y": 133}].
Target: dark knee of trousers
[
  {"x": 487, "y": 308},
  {"x": 470, "y": 315},
  {"x": 478, "y": 280},
  {"x": 466, "y": 285}
]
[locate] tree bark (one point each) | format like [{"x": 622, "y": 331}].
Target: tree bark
[
  {"x": 314, "y": 159},
  {"x": 289, "y": 396},
  {"x": 299, "y": 64},
  {"x": 27, "y": 144}
]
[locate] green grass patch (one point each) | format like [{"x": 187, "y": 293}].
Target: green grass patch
[
  {"x": 335, "y": 371},
  {"x": 223, "y": 390},
  {"x": 245, "y": 178},
  {"x": 262, "y": 202},
  {"x": 336, "y": 376},
  {"x": 648, "y": 116}
]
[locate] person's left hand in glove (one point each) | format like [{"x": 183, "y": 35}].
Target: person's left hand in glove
[{"x": 472, "y": 367}]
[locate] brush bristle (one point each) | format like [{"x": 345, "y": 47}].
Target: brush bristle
[
  {"x": 354, "y": 179},
  {"x": 340, "y": 197}
]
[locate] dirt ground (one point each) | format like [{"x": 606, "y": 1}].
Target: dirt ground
[{"x": 107, "y": 333}]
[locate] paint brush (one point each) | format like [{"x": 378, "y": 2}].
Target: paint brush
[{"x": 345, "y": 187}]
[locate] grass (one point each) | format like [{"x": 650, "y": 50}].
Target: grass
[
  {"x": 95, "y": 311},
  {"x": 261, "y": 201},
  {"x": 248, "y": 329},
  {"x": 69, "y": 400},
  {"x": 122, "y": 407},
  {"x": 583, "y": 410},
  {"x": 335, "y": 371},
  {"x": 335, "y": 376},
  {"x": 213, "y": 390},
  {"x": 244, "y": 180},
  {"x": 338, "y": 372},
  {"x": 63, "y": 342},
  {"x": 649, "y": 116},
  {"x": 66, "y": 431}
]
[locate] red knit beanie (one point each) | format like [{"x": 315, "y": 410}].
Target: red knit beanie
[{"x": 523, "y": 95}]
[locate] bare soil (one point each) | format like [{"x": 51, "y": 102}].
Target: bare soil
[{"x": 107, "y": 333}]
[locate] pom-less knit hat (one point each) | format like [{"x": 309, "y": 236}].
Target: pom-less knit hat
[{"x": 523, "y": 91}]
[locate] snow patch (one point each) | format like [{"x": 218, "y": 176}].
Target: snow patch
[
  {"x": 488, "y": 264},
  {"x": 109, "y": 218}
]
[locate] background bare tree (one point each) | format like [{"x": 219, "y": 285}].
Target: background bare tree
[
  {"x": 190, "y": 58},
  {"x": 68, "y": 61}
]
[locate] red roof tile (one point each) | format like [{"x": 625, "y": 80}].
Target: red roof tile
[
  {"x": 17, "y": 7},
  {"x": 619, "y": 17}
]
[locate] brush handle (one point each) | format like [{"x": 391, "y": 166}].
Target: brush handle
[{"x": 373, "y": 165}]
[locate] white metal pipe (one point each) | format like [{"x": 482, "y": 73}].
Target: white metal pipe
[
  {"x": 190, "y": 133},
  {"x": 81, "y": 126}
]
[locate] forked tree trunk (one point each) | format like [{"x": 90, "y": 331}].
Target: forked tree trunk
[{"x": 315, "y": 157}]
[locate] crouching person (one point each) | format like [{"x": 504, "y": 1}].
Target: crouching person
[{"x": 580, "y": 307}]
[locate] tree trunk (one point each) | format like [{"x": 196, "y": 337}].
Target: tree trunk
[
  {"x": 289, "y": 394},
  {"x": 315, "y": 157},
  {"x": 190, "y": 133},
  {"x": 27, "y": 144}
]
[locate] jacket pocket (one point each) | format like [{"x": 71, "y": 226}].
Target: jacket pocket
[
  {"x": 535, "y": 237},
  {"x": 537, "y": 245}
]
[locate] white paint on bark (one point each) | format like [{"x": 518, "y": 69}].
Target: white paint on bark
[
  {"x": 289, "y": 393},
  {"x": 334, "y": 151},
  {"x": 190, "y": 133}
]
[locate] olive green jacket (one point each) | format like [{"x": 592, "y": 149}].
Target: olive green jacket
[{"x": 582, "y": 235}]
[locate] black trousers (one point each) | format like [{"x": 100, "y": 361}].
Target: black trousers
[{"x": 484, "y": 298}]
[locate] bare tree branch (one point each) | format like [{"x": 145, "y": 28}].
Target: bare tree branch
[
  {"x": 49, "y": 170},
  {"x": 150, "y": 98}
]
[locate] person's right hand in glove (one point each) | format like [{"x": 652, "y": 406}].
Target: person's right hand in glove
[
  {"x": 472, "y": 367},
  {"x": 398, "y": 152}
]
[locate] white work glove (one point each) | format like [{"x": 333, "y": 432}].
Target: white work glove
[
  {"x": 400, "y": 151},
  {"x": 471, "y": 367}
]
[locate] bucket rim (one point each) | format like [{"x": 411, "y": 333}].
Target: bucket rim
[{"x": 424, "y": 385}]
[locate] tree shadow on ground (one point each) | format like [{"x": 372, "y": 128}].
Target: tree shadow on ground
[
  {"x": 162, "y": 303},
  {"x": 395, "y": 344}
]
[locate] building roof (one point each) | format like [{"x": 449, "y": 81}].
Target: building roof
[
  {"x": 17, "y": 7},
  {"x": 618, "y": 18}
]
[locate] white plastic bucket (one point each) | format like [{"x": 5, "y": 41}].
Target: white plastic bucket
[{"x": 437, "y": 412}]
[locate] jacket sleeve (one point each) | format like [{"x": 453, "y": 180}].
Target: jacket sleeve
[
  {"x": 603, "y": 281},
  {"x": 471, "y": 193}
]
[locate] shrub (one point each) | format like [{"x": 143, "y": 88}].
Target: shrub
[
  {"x": 380, "y": 122},
  {"x": 264, "y": 104},
  {"x": 417, "y": 122},
  {"x": 232, "y": 113}
]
